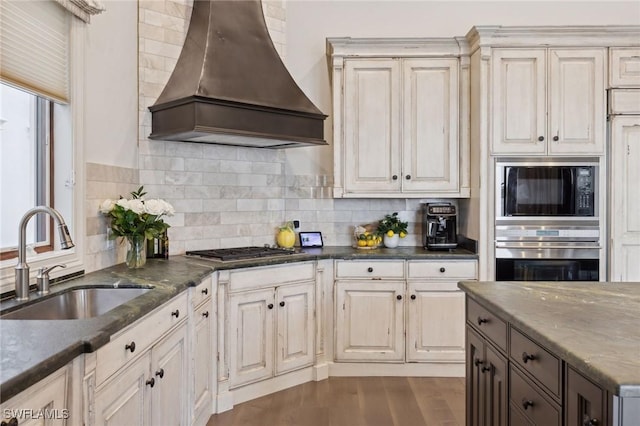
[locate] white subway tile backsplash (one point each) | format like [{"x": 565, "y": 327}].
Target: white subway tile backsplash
[{"x": 182, "y": 178}]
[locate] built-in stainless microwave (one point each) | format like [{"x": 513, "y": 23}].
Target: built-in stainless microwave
[{"x": 539, "y": 190}]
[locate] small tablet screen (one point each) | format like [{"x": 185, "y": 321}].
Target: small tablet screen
[{"x": 311, "y": 239}]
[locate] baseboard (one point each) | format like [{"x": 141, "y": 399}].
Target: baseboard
[
  {"x": 320, "y": 372},
  {"x": 276, "y": 384},
  {"x": 363, "y": 369}
]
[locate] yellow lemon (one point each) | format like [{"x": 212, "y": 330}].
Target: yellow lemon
[
  {"x": 403, "y": 234},
  {"x": 371, "y": 243},
  {"x": 362, "y": 243},
  {"x": 390, "y": 233}
]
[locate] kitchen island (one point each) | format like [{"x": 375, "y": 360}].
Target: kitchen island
[{"x": 556, "y": 352}]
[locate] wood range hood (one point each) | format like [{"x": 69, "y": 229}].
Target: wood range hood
[{"x": 230, "y": 86}]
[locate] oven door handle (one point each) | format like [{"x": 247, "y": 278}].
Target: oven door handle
[{"x": 534, "y": 246}]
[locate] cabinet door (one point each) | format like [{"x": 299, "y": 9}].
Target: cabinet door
[
  {"x": 625, "y": 175},
  {"x": 435, "y": 326},
  {"x": 251, "y": 336},
  {"x": 474, "y": 383},
  {"x": 495, "y": 377},
  {"x": 203, "y": 362},
  {"x": 372, "y": 126},
  {"x": 369, "y": 321},
  {"x": 294, "y": 327},
  {"x": 518, "y": 82},
  {"x": 577, "y": 101},
  {"x": 169, "y": 371},
  {"x": 585, "y": 401},
  {"x": 125, "y": 399},
  {"x": 430, "y": 119}
]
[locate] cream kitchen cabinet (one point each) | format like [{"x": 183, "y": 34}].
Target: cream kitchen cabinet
[
  {"x": 381, "y": 316},
  {"x": 624, "y": 63},
  {"x": 270, "y": 321},
  {"x": 397, "y": 127},
  {"x": 548, "y": 101},
  {"x": 202, "y": 362},
  {"x": 625, "y": 203},
  {"x": 140, "y": 377},
  {"x": 45, "y": 403}
]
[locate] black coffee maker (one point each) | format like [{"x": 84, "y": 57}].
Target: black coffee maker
[{"x": 439, "y": 229}]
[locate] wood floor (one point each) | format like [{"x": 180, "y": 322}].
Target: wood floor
[{"x": 355, "y": 401}]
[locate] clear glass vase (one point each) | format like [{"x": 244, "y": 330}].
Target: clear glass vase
[{"x": 136, "y": 251}]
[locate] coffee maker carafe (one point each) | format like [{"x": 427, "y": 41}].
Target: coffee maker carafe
[{"x": 439, "y": 230}]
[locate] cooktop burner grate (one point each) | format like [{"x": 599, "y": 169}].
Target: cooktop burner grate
[{"x": 240, "y": 253}]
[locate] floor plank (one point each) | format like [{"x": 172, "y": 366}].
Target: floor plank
[{"x": 355, "y": 401}]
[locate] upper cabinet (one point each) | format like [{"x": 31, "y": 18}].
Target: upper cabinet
[
  {"x": 548, "y": 101},
  {"x": 397, "y": 108},
  {"x": 624, "y": 67}
]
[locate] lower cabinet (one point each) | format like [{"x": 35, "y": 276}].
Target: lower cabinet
[
  {"x": 44, "y": 403},
  {"x": 152, "y": 390},
  {"x": 270, "y": 332},
  {"x": 585, "y": 401}
]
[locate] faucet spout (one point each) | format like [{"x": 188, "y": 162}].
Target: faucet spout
[{"x": 22, "y": 268}]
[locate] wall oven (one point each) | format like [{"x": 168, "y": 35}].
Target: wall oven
[{"x": 547, "y": 222}]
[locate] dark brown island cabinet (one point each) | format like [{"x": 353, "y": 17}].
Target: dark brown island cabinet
[{"x": 513, "y": 380}]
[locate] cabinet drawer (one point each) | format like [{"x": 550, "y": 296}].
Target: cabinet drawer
[
  {"x": 143, "y": 333},
  {"x": 532, "y": 358},
  {"x": 489, "y": 325},
  {"x": 465, "y": 269},
  {"x": 370, "y": 269},
  {"x": 269, "y": 276},
  {"x": 201, "y": 292},
  {"x": 624, "y": 65},
  {"x": 531, "y": 401},
  {"x": 624, "y": 101}
]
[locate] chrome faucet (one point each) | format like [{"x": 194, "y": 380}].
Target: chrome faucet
[{"x": 22, "y": 269}]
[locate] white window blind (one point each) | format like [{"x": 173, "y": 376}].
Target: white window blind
[{"x": 34, "y": 47}]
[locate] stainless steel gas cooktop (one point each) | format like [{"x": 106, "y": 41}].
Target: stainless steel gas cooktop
[{"x": 240, "y": 253}]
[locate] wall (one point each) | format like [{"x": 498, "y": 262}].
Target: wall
[{"x": 226, "y": 196}]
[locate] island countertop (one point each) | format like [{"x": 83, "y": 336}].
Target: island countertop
[{"x": 593, "y": 326}]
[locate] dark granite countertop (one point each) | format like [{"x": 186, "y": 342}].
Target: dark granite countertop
[
  {"x": 595, "y": 327},
  {"x": 32, "y": 349}
]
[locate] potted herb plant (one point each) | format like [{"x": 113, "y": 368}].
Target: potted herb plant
[{"x": 391, "y": 228}]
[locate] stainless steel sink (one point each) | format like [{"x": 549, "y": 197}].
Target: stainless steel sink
[{"x": 78, "y": 303}]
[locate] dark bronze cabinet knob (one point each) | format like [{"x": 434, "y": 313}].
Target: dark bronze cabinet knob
[
  {"x": 527, "y": 357},
  {"x": 482, "y": 320},
  {"x": 408, "y": 177},
  {"x": 151, "y": 382},
  {"x": 485, "y": 368},
  {"x": 477, "y": 362},
  {"x": 369, "y": 269},
  {"x": 205, "y": 314},
  {"x": 175, "y": 313},
  {"x": 556, "y": 138},
  {"x": 394, "y": 177},
  {"x": 541, "y": 138},
  {"x": 160, "y": 373},
  {"x": 270, "y": 306},
  {"x": 12, "y": 422},
  {"x": 131, "y": 347},
  {"x": 413, "y": 297},
  {"x": 399, "y": 297},
  {"x": 205, "y": 291},
  {"x": 526, "y": 403},
  {"x": 591, "y": 422},
  {"x": 282, "y": 303},
  {"x": 443, "y": 270}
]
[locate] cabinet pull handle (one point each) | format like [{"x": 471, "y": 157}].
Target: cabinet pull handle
[
  {"x": 541, "y": 138},
  {"x": 443, "y": 270},
  {"x": 270, "y": 306},
  {"x": 369, "y": 269},
  {"x": 477, "y": 362},
  {"x": 205, "y": 314},
  {"x": 282, "y": 303},
  {"x": 160, "y": 373},
  {"x": 413, "y": 297},
  {"x": 527, "y": 357},
  {"x": 394, "y": 177},
  {"x": 12, "y": 422},
  {"x": 130, "y": 347},
  {"x": 175, "y": 313},
  {"x": 399, "y": 297},
  {"x": 526, "y": 403},
  {"x": 482, "y": 320},
  {"x": 408, "y": 177},
  {"x": 556, "y": 138},
  {"x": 593, "y": 422},
  {"x": 484, "y": 369},
  {"x": 151, "y": 382},
  {"x": 205, "y": 291}
]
